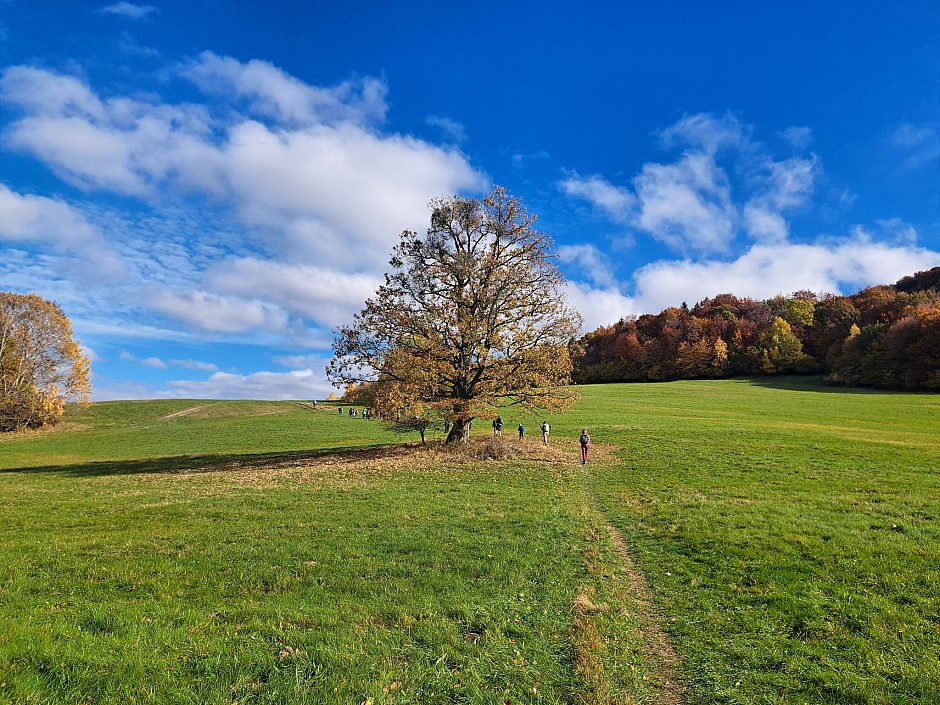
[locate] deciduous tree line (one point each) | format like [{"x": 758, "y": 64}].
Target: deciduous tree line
[{"x": 883, "y": 336}]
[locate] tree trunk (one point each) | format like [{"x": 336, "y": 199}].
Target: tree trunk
[{"x": 460, "y": 431}]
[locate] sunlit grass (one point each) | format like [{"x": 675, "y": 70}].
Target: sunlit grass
[{"x": 260, "y": 552}]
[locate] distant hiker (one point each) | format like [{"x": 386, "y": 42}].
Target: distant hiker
[
  {"x": 446, "y": 425},
  {"x": 314, "y": 403},
  {"x": 341, "y": 411},
  {"x": 545, "y": 429},
  {"x": 498, "y": 426},
  {"x": 585, "y": 444},
  {"x": 521, "y": 431}
]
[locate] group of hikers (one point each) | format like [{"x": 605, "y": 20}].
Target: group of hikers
[
  {"x": 354, "y": 412},
  {"x": 584, "y": 440}
]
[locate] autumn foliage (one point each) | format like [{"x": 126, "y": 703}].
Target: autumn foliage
[
  {"x": 469, "y": 320},
  {"x": 41, "y": 366},
  {"x": 882, "y": 336}
]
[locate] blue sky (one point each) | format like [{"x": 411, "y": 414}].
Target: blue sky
[{"x": 209, "y": 188}]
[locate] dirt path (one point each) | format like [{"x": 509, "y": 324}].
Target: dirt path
[
  {"x": 671, "y": 691},
  {"x": 662, "y": 657},
  {"x": 184, "y": 412}
]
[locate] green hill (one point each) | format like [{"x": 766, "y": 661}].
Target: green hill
[{"x": 731, "y": 541}]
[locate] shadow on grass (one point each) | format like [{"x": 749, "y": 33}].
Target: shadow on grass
[
  {"x": 815, "y": 383},
  {"x": 217, "y": 462}
]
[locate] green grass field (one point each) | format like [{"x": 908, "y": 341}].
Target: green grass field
[{"x": 771, "y": 541}]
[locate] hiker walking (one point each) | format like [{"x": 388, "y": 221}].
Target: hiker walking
[
  {"x": 585, "y": 445},
  {"x": 498, "y": 426},
  {"x": 545, "y": 429},
  {"x": 521, "y": 431}
]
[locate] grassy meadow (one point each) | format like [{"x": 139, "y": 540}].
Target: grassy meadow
[{"x": 736, "y": 541}]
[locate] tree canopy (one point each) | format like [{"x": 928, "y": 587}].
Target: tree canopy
[
  {"x": 41, "y": 365},
  {"x": 881, "y": 336},
  {"x": 470, "y": 319}
]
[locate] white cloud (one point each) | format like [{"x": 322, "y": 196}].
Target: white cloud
[
  {"x": 325, "y": 296},
  {"x": 767, "y": 270},
  {"x": 591, "y": 263},
  {"x": 616, "y": 202},
  {"x": 686, "y": 205},
  {"x": 208, "y": 311},
  {"x": 453, "y": 129},
  {"x": 276, "y": 386},
  {"x": 920, "y": 143},
  {"x": 600, "y": 306},
  {"x": 129, "y": 10},
  {"x": 196, "y": 365},
  {"x": 272, "y": 93},
  {"x": 55, "y": 225},
  {"x": 301, "y": 362},
  {"x": 40, "y": 92},
  {"x": 152, "y": 361},
  {"x": 286, "y": 170},
  {"x": 691, "y": 205},
  {"x": 798, "y": 137},
  {"x": 707, "y": 133}
]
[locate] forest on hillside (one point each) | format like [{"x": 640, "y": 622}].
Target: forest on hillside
[{"x": 882, "y": 336}]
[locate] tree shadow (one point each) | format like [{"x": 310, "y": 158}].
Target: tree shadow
[
  {"x": 816, "y": 383},
  {"x": 215, "y": 462}
]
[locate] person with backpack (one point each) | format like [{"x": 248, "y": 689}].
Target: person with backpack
[
  {"x": 498, "y": 426},
  {"x": 545, "y": 429},
  {"x": 585, "y": 445}
]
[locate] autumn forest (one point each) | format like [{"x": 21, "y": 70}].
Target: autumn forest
[{"x": 883, "y": 336}]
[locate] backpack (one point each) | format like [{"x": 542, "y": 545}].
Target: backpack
[{"x": 585, "y": 439}]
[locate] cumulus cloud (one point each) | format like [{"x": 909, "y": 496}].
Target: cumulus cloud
[
  {"x": 590, "y": 263},
  {"x": 764, "y": 271},
  {"x": 692, "y": 204},
  {"x": 616, "y": 202},
  {"x": 686, "y": 205},
  {"x": 325, "y": 296},
  {"x": 223, "y": 314},
  {"x": 315, "y": 164},
  {"x": 309, "y": 183},
  {"x": 600, "y": 306},
  {"x": 707, "y": 133},
  {"x": 270, "y": 92}
]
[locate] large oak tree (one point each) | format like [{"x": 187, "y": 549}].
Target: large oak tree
[
  {"x": 470, "y": 320},
  {"x": 41, "y": 365}
]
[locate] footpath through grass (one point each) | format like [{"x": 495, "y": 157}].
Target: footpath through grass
[
  {"x": 791, "y": 533},
  {"x": 257, "y": 552}
]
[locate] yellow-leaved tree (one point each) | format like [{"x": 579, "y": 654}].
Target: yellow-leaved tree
[
  {"x": 41, "y": 365},
  {"x": 470, "y": 320}
]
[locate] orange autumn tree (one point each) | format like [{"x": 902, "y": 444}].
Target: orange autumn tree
[
  {"x": 470, "y": 320},
  {"x": 41, "y": 365}
]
